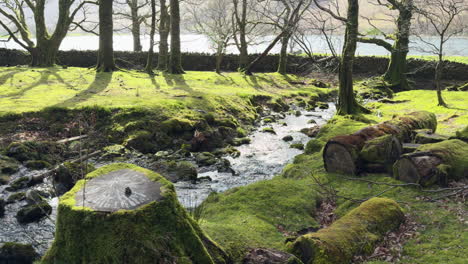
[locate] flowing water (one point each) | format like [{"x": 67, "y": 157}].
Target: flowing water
[{"x": 262, "y": 159}]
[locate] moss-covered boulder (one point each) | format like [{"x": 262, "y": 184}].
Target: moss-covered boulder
[
  {"x": 34, "y": 212},
  {"x": 205, "y": 159},
  {"x": 176, "y": 171},
  {"x": 240, "y": 141},
  {"x": 355, "y": 233},
  {"x": 18, "y": 196},
  {"x": 122, "y": 213},
  {"x": 268, "y": 130},
  {"x": 18, "y": 184},
  {"x": 435, "y": 163},
  {"x": 47, "y": 151},
  {"x": 8, "y": 165},
  {"x": 298, "y": 146},
  {"x": 461, "y": 134},
  {"x": 68, "y": 173},
  {"x": 16, "y": 253}
]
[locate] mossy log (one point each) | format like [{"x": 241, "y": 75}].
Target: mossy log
[
  {"x": 122, "y": 213},
  {"x": 434, "y": 163},
  {"x": 355, "y": 233},
  {"x": 369, "y": 149}
]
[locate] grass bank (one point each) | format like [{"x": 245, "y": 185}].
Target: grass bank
[{"x": 266, "y": 213}]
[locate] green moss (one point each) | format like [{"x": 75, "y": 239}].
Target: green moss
[
  {"x": 249, "y": 216},
  {"x": 268, "y": 130},
  {"x": 37, "y": 164},
  {"x": 36, "y": 150},
  {"x": 87, "y": 236},
  {"x": 18, "y": 196},
  {"x": 8, "y": 165},
  {"x": 355, "y": 233},
  {"x": 19, "y": 183},
  {"x": 299, "y": 146},
  {"x": 11, "y": 252},
  {"x": 314, "y": 146},
  {"x": 240, "y": 141},
  {"x": 205, "y": 159}
]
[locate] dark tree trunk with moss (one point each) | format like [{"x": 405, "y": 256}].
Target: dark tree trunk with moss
[
  {"x": 438, "y": 74},
  {"x": 219, "y": 57},
  {"x": 164, "y": 27},
  {"x": 283, "y": 56},
  {"x": 175, "y": 59},
  {"x": 242, "y": 45},
  {"x": 346, "y": 100},
  {"x": 106, "y": 61},
  {"x": 396, "y": 71},
  {"x": 149, "y": 61}
]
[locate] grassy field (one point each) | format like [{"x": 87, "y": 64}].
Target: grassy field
[{"x": 24, "y": 89}]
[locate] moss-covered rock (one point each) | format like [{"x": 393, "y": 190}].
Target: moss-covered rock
[
  {"x": 311, "y": 131},
  {"x": 16, "y": 253},
  {"x": 18, "y": 196},
  {"x": 161, "y": 230},
  {"x": 68, "y": 174},
  {"x": 8, "y": 165},
  {"x": 425, "y": 137},
  {"x": 288, "y": 138},
  {"x": 298, "y": 146},
  {"x": 18, "y": 184},
  {"x": 205, "y": 158},
  {"x": 50, "y": 152},
  {"x": 33, "y": 212},
  {"x": 269, "y": 256},
  {"x": 240, "y": 141},
  {"x": 268, "y": 130},
  {"x": 142, "y": 141},
  {"x": 177, "y": 171},
  {"x": 461, "y": 134},
  {"x": 4, "y": 179},
  {"x": 37, "y": 164},
  {"x": 355, "y": 233}
]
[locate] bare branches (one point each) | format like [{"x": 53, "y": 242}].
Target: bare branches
[{"x": 330, "y": 12}]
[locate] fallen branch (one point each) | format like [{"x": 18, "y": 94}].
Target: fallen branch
[{"x": 66, "y": 140}]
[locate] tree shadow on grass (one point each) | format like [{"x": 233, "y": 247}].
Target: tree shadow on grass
[
  {"x": 99, "y": 84},
  {"x": 10, "y": 74},
  {"x": 43, "y": 79}
]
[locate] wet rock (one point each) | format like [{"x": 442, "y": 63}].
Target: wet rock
[
  {"x": 288, "y": 138},
  {"x": 298, "y": 113},
  {"x": 268, "y": 130},
  {"x": 312, "y": 121},
  {"x": 33, "y": 213},
  {"x": 18, "y": 196},
  {"x": 8, "y": 165},
  {"x": 224, "y": 165},
  {"x": 298, "y": 146},
  {"x": 311, "y": 131},
  {"x": 176, "y": 171},
  {"x": 18, "y": 184},
  {"x": 205, "y": 159},
  {"x": 68, "y": 174},
  {"x": 240, "y": 141},
  {"x": 15, "y": 253},
  {"x": 2, "y": 207},
  {"x": 268, "y": 120},
  {"x": 283, "y": 123},
  {"x": 269, "y": 256}
]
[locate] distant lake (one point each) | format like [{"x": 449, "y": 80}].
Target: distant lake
[{"x": 198, "y": 43}]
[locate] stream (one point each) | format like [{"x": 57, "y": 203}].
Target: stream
[{"x": 262, "y": 159}]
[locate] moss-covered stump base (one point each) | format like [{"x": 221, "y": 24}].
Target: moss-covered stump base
[
  {"x": 355, "y": 233},
  {"x": 434, "y": 163},
  {"x": 122, "y": 213}
]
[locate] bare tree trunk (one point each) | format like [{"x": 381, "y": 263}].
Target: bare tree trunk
[
  {"x": 283, "y": 56},
  {"x": 164, "y": 27},
  {"x": 136, "y": 26},
  {"x": 219, "y": 57},
  {"x": 396, "y": 71},
  {"x": 438, "y": 78},
  {"x": 149, "y": 62},
  {"x": 346, "y": 100},
  {"x": 106, "y": 61},
  {"x": 175, "y": 60},
  {"x": 248, "y": 69},
  {"x": 241, "y": 21}
]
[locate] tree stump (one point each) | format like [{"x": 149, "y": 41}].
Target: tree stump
[
  {"x": 368, "y": 149},
  {"x": 355, "y": 233},
  {"x": 434, "y": 163},
  {"x": 122, "y": 213}
]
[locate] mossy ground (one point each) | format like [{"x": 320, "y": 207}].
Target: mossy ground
[
  {"x": 25, "y": 89},
  {"x": 235, "y": 219}
]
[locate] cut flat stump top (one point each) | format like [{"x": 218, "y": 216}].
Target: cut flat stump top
[{"x": 121, "y": 189}]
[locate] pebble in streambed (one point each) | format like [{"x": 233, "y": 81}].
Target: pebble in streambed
[{"x": 262, "y": 159}]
